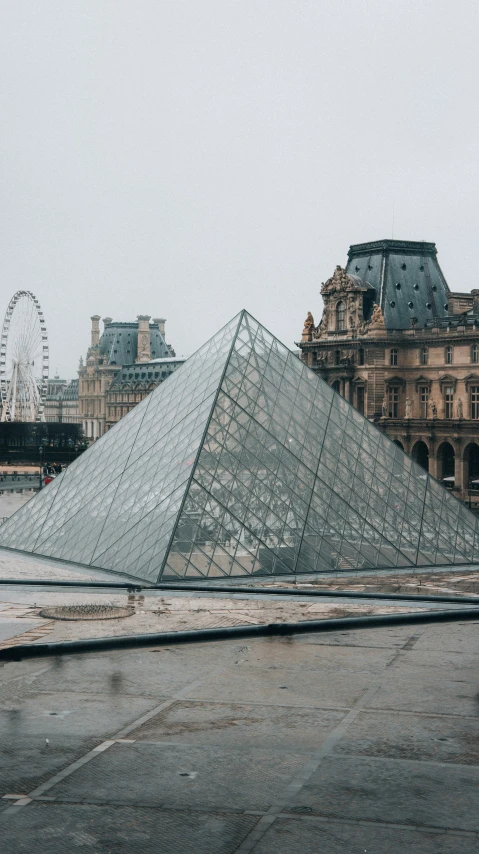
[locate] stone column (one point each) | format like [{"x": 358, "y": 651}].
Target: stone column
[
  {"x": 95, "y": 330},
  {"x": 161, "y": 324},
  {"x": 461, "y": 470},
  {"x": 144, "y": 352},
  {"x": 433, "y": 467}
]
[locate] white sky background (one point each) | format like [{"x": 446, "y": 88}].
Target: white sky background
[{"x": 189, "y": 159}]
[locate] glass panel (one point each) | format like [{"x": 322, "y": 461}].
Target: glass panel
[{"x": 244, "y": 462}]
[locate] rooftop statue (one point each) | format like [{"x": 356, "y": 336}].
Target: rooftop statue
[
  {"x": 377, "y": 317},
  {"x": 339, "y": 281}
]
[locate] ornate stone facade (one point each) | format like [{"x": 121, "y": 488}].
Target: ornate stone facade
[
  {"x": 404, "y": 350},
  {"x": 106, "y": 389},
  {"x": 61, "y": 404}
]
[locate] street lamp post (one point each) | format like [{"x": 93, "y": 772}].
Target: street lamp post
[
  {"x": 43, "y": 443},
  {"x": 40, "y": 451}
]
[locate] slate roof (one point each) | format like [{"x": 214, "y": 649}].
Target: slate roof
[
  {"x": 145, "y": 371},
  {"x": 407, "y": 278},
  {"x": 119, "y": 343}
]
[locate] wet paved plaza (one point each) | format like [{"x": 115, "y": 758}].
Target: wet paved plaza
[{"x": 350, "y": 742}]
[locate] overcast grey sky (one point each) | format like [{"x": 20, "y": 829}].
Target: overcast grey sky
[{"x": 188, "y": 159}]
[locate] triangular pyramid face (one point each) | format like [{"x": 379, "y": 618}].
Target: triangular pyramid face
[
  {"x": 116, "y": 506},
  {"x": 244, "y": 462}
]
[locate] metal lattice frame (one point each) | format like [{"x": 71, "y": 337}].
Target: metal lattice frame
[{"x": 23, "y": 360}]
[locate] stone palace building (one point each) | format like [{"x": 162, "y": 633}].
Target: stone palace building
[
  {"x": 398, "y": 344},
  {"x": 123, "y": 364}
]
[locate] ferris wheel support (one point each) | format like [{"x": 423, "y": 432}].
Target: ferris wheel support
[{"x": 23, "y": 360}]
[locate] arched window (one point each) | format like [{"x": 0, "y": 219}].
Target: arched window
[
  {"x": 475, "y": 354},
  {"x": 446, "y": 464},
  {"x": 340, "y": 316},
  {"x": 471, "y": 458},
  {"x": 448, "y": 355},
  {"x": 393, "y": 357},
  {"x": 420, "y": 455},
  {"x": 361, "y": 356},
  {"x": 336, "y": 386},
  {"x": 424, "y": 356}
]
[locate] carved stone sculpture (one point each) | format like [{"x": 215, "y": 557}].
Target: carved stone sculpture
[
  {"x": 433, "y": 408},
  {"x": 385, "y": 407},
  {"x": 308, "y": 327},
  {"x": 408, "y": 407},
  {"x": 377, "y": 317},
  {"x": 460, "y": 413},
  {"x": 339, "y": 281}
]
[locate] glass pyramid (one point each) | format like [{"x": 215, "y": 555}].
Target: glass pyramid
[{"x": 244, "y": 462}]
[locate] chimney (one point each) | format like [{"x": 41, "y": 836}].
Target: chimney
[
  {"x": 143, "y": 353},
  {"x": 107, "y": 320},
  {"x": 95, "y": 330},
  {"x": 475, "y": 301},
  {"x": 161, "y": 324}
]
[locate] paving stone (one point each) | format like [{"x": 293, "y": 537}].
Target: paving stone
[
  {"x": 121, "y": 830},
  {"x": 25, "y": 762},
  {"x": 295, "y": 655},
  {"x": 455, "y": 637},
  {"x": 417, "y": 688},
  {"x": 390, "y": 638},
  {"x": 309, "y": 837},
  {"x": 158, "y": 673},
  {"x": 181, "y": 777},
  {"x": 408, "y": 792},
  {"x": 410, "y": 736},
  {"x": 14, "y": 627},
  {"x": 320, "y": 687},
  {"x": 60, "y": 713},
  {"x": 233, "y": 725}
]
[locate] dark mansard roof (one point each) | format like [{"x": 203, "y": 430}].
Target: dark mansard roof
[
  {"x": 119, "y": 343},
  {"x": 407, "y": 278}
]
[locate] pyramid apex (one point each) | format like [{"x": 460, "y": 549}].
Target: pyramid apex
[{"x": 244, "y": 462}]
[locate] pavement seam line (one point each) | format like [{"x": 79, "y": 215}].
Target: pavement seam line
[
  {"x": 298, "y": 781},
  {"x": 119, "y": 736}
]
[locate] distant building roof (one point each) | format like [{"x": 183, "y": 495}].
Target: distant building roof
[
  {"x": 167, "y": 360},
  {"x": 70, "y": 391},
  {"x": 409, "y": 283},
  {"x": 119, "y": 343},
  {"x": 147, "y": 372}
]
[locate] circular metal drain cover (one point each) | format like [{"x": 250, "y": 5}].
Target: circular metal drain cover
[{"x": 86, "y": 612}]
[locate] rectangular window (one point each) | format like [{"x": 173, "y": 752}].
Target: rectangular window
[
  {"x": 475, "y": 402},
  {"x": 393, "y": 396},
  {"x": 449, "y": 402},
  {"x": 393, "y": 357},
  {"x": 360, "y": 399},
  {"x": 424, "y": 400}
]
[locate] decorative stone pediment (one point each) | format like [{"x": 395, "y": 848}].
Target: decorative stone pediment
[
  {"x": 423, "y": 381},
  {"x": 395, "y": 381},
  {"x": 471, "y": 379},
  {"x": 447, "y": 379}
]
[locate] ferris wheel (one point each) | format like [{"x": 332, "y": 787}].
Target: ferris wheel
[{"x": 23, "y": 360}]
